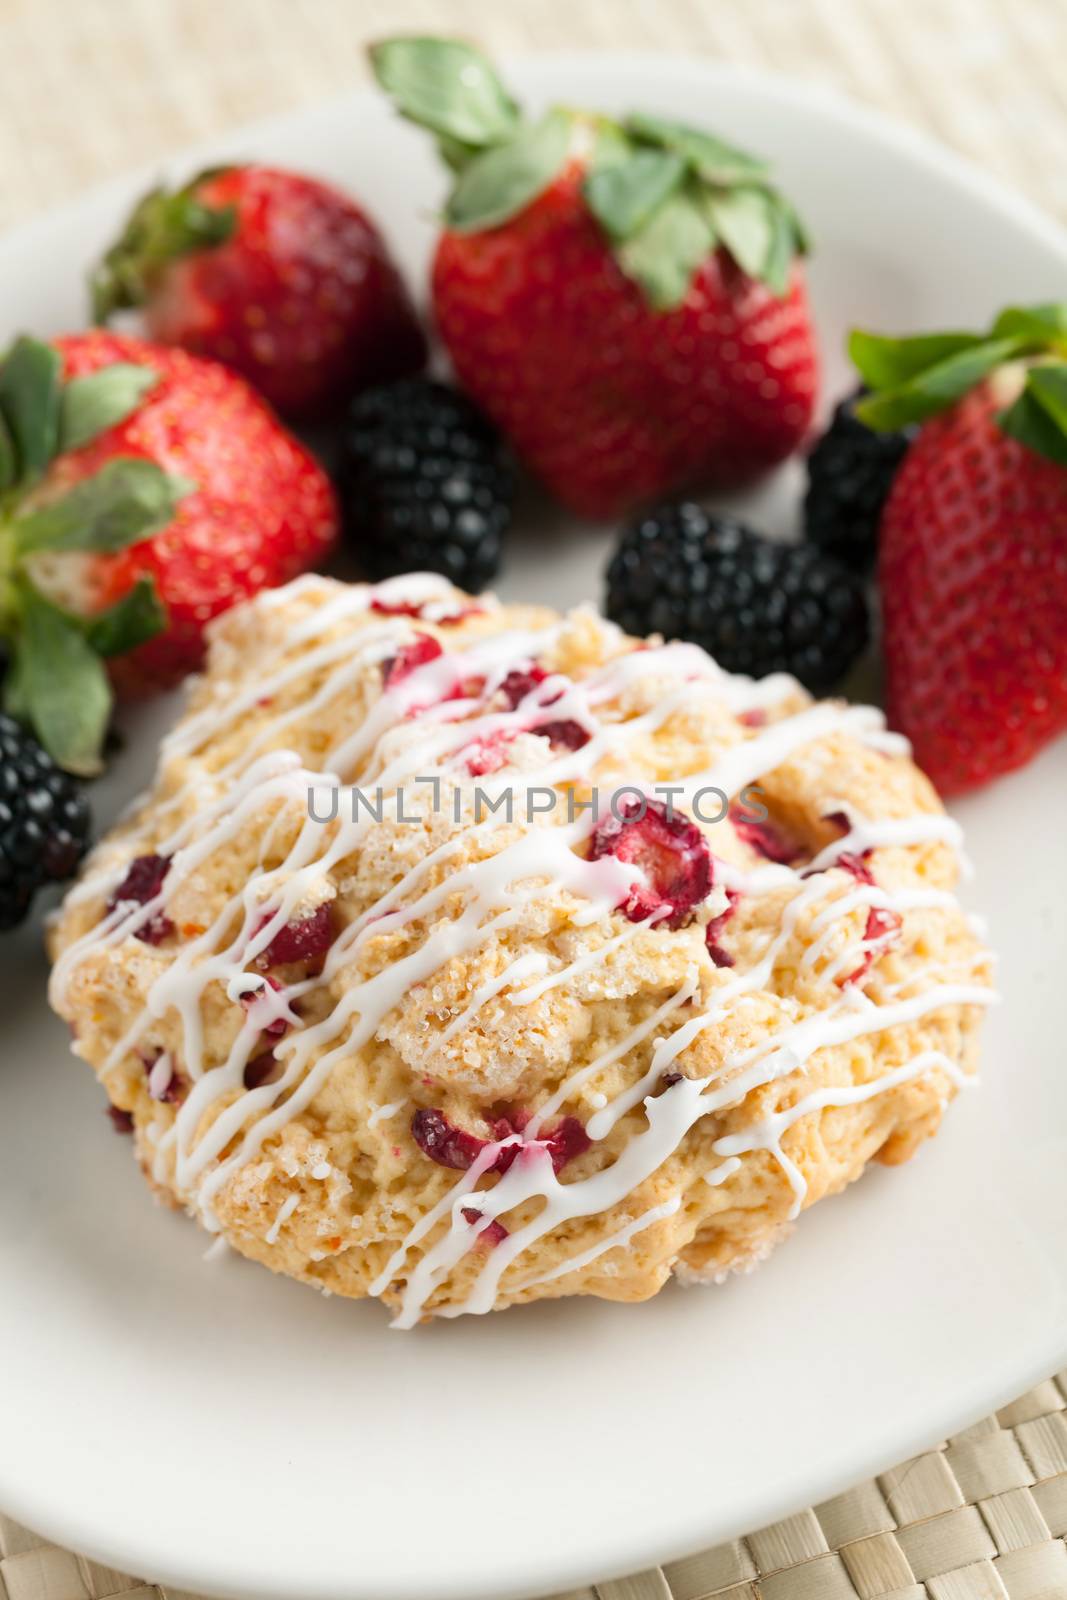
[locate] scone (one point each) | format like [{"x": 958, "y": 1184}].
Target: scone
[{"x": 465, "y": 955}]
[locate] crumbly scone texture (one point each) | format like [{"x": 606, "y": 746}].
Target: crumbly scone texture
[{"x": 294, "y": 1096}]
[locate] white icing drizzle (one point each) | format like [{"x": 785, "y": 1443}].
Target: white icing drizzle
[
  {"x": 383, "y": 1113},
  {"x": 496, "y": 890},
  {"x": 286, "y": 1210}
]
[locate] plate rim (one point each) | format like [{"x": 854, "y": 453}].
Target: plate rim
[{"x": 632, "y": 1550}]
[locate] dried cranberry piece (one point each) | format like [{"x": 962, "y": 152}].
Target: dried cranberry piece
[
  {"x": 262, "y": 1069},
  {"x": 492, "y": 1233},
  {"x": 881, "y": 924},
  {"x": 566, "y": 1141},
  {"x": 443, "y": 1142},
  {"x": 519, "y": 682},
  {"x": 713, "y": 931},
  {"x": 300, "y": 940},
  {"x": 440, "y": 1139},
  {"x": 756, "y": 718},
  {"x": 142, "y": 883},
  {"x": 487, "y": 755},
  {"x": 763, "y": 836},
  {"x": 423, "y": 648},
  {"x": 399, "y": 608},
  {"x": 563, "y": 735},
  {"x": 121, "y": 1121},
  {"x": 669, "y": 849},
  {"x": 848, "y": 861}
]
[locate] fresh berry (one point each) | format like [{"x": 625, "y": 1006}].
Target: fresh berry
[
  {"x": 44, "y": 822},
  {"x": 850, "y": 472},
  {"x": 426, "y": 484},
  {"x": 145, "y": 492},
  {"x": 973, "y": 548},
  {"x": 280, "y": 276},
  {"x": 756, "y": 606},
  {"x": 143, "y": 882},
  {"x": 623, "y": 299},
  {"x": 669, "y": 849}
]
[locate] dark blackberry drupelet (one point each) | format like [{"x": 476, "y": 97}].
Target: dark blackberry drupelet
[
  {"x": 44, "y": 822},
  {"x": 757, "y": 607},
  {"x": 426, "y": 484},
  {"x": 850, "y": 472}
]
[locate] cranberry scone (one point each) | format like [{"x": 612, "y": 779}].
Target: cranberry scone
[{"x": 465, "y": 954}]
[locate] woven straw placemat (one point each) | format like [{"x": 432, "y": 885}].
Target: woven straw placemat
[{"x": 89, "y": 87}]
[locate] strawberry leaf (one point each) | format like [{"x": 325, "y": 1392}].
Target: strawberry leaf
[
  {"x": 744, "y": 220},
  {"x": 934, "y": 388},
  {"x": 448, "y": 87},
  {"x": 886, "y": 363},
  {"x": 786, "y": 243},
  {"x": 91, "y": 405},
  {"x": 623, "y": 193},
  {"x": 29, "y": 400},
  {"x": 162, "y": 227},
  {"x": 665, "y": 253},
  {"x": 712, "y": 158},
  {"x": 1038, "y": 418},
  {"x": 503, "y": 180},
  {"x": 1045, "y": 324},
  {"x": 138, "y": 616},
  {"x": 9, "y": 465},
  {"x": 62, "y": 686},
  {"x": 128, "y": 500}
]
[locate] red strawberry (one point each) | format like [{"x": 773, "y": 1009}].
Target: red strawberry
[
  {"x": 623, "y": 300},
  {"x": 146, "y": 492},
  {"x": 973, "y": 542},
  {"x": 280, "y": 276}
]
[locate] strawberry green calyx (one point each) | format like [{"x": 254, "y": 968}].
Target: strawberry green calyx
[
  {"x": 665, "y": 195},
  {"x": 915, "y": 378},
  {"x": 56, "y": 682},
  {"x": 162, "y": 227}
]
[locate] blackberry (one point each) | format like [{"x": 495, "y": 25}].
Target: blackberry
[
  {"x": 44, "y": 821},
  {"x": 755, "y": 606},
  {"x": 850, "y": 471},
  {"x": 426, "y": 484}
]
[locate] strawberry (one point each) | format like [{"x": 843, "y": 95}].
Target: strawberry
[
  {"x": 973, "y": 541},
  {"x": 142, "y": 492},
  {"x": 282, "y": 277},
  {"x": 624, "y": 300}
]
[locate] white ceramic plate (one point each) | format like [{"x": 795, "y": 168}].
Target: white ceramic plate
[{"x": 223, "y": 1430}]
